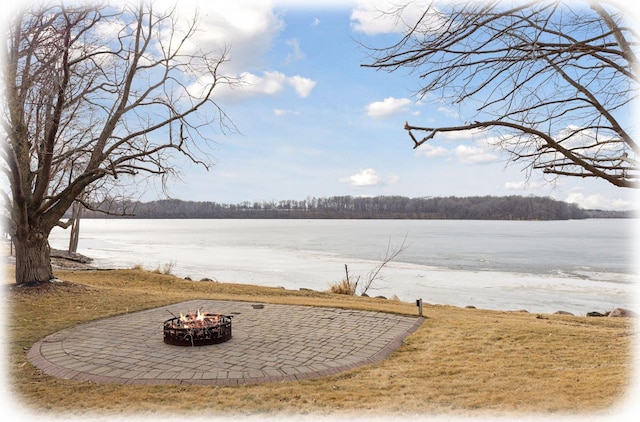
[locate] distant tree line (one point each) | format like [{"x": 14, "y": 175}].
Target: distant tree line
[{"x": 349, "y": 207}]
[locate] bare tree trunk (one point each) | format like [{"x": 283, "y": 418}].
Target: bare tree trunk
[
  {"x": 33, "y": 259},
  {"x": 75, "y": 228},
  {"x": 59, "y": 149}
]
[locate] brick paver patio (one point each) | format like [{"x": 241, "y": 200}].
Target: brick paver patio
[{"x": 270, "y": 343}]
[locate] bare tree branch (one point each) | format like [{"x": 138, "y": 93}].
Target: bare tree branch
[
  {"x": 555, "y": 82},
  {"x": 391, "y": 254}
]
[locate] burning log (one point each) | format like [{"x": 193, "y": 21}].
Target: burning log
[{"x": 197, "y": 329}]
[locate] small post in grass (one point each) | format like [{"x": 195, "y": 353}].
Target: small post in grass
[{"x": 419, "y": 305}]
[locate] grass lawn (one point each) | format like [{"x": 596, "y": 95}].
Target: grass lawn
[{"x": 459, "y": 362}]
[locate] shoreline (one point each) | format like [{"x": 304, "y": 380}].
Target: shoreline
[
  {"x": 63, "y": 261},
  {"x": 501, "y": 291},
  {"x": 298, "y": 269}
]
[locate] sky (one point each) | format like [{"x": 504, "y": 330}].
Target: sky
[{"x": 312, "y": 122}]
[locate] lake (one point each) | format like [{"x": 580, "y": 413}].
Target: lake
[{"x": 540, "y": 266}]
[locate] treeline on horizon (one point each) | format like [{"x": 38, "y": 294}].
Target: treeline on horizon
[{"x": 349, "y": 207}]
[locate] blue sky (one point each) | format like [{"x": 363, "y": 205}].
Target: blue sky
[{"x": 313, "y": 122}]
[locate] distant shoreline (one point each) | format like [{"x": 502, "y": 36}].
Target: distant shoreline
[{"x": 508, "y": 208}]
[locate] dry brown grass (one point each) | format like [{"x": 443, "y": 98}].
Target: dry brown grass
[
  {"x": 344, "y": 287},
  {"x": 461, "y": 361}
]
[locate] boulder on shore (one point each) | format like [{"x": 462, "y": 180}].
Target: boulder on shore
[{"x": 623, "y": 313}]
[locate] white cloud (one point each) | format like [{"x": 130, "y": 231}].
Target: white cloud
[
  {"x": 581, "y": 137},
  {"x": 516, "y": 185},
  {"x": 280, "y": 112},
  {"x": 481, "y": 150},
  {"x": 598, "y": 201},
  {"x": 369, "y": 177},
  {"x": 249, "y": 30},
  {"x": 388, "y": 16},
  {"x": 363, "y": 178},
  {"x": 447, "y": 111},
  {"x": 474, "y": 155},
  {"x": 432, "y": 151},
  {"x": 252, "y": 85},
  {"x": 248, "y": 27},
  {"x": 296, "y": 52},
  {"x": 387, "y": 107},
  {"x": 270, "y": 83},
  {"x": 303, "y": 86},
  {"x": 522, "y": 185},
  {"x": 466, "y": 134}
]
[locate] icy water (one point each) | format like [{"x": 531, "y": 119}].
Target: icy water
[{"x": 540, "y": 266}]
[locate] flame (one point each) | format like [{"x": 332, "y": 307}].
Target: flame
[{"x": 197, "y": 319}]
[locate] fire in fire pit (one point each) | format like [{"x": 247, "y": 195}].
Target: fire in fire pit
[{"x": 197, "y": 329}]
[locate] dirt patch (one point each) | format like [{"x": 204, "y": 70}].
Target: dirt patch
[
  {"x": 60, "y": 260},
  {"x": 46, "y": 288}
]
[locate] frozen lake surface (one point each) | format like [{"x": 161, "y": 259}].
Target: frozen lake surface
[{"x": 541, "y": 266}]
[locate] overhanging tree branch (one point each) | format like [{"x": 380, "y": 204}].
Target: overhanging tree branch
[{"x": 554, "y": 82}]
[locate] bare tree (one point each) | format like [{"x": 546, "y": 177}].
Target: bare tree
[
  {"x": 391, "y": 254},
  {"x": 96, "y": 98},
  {"x": 554, "y": 80},
  {"x": 349, "y": 286}
]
